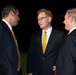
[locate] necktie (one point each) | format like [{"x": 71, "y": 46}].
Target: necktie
[
  {"x": 19, "y": 62},
  {"x": 44, "y": 42}
]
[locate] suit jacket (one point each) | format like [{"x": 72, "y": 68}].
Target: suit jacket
[
  {"x": 39, "y": 63},
  {"x": 8, "y": 52},
  {"x": 66, "y": 61}
]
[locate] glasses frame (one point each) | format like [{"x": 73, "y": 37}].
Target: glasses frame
[{"x": 42, "y": 18}]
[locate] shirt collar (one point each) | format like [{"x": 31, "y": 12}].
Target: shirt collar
[
  {"x": 72, "y": 30},
  {"x": 10, "y": 27},
  {"x": 48, "y": 30}
]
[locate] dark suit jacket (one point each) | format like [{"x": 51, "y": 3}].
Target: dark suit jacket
[
  {"x": 39, "y": 63},
  {"x": 66, "y": 62},
  {"x": 8, "y": 52}
]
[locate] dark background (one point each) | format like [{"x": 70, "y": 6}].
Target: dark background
[{"x": 28, "y": 15}]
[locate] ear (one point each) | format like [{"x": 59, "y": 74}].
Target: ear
[
  {"x": 11, "y": 13},
  {"x": 70, "y": 19},
  {"x": 49, "y": 19}
]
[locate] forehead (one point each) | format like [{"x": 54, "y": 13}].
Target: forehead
[
  {"x": 66, "y": 15},
  {"x": 42, "y": 14}
]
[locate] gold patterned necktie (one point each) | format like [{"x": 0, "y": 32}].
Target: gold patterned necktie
[
  {"x": 19, "y": 62},
  {"x": 44, "y": 41}
]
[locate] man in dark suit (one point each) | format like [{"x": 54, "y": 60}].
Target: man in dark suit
[
  {"x": 66, "y": 61},
  {"x": 39, "y": 63},
  {"x": 8, "y": 50}
]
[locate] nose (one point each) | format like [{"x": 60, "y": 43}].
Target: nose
[{"x": 39, "y": 21}]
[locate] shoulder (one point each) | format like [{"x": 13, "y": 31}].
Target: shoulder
[
  {"x": 58, "y": 32},
  {"x": 2, "y": 24},
  {"x": 71, "y": 37}
]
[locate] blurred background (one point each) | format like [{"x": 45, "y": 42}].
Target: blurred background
[
  {"x": 28, "y": 15},
  {"x": 28, "y": 19}
]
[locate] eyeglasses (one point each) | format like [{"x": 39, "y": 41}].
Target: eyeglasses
[{"x": 41, "y": 18}]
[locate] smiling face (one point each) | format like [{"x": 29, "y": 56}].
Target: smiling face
[
  {"x": 70, "y": 19},
  {"x": 66, "y": 22},
  {"x": 44, "y": 21}
]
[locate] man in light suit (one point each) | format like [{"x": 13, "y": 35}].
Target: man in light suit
[
  {"x": 39, "y": 63},
  {"x": 66, "y": 61},
  {"x": 8, "y": 50}
]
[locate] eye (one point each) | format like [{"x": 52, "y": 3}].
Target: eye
[{"x": 42, "y": 18}]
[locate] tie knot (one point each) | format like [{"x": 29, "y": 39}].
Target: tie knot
[{"x": 44, "y": 32}]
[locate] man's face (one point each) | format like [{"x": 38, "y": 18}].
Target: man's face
[
  {"x": 43, "y": 20},
  {"x": 66, "y": 22},
  {"x": 14, "y": 18}
]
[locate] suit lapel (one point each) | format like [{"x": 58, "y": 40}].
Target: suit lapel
[
  {"x": 52, "y": 35},
  {"x": 40, "y": 43}
]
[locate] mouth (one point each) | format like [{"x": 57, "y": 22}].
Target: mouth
[{"x": 40, "y": 24}]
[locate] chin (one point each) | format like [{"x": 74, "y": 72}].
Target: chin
[
  {"x": 66, "y": 29},
  {"x": 41, "y": 27}
]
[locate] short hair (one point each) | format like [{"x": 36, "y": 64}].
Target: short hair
[
  {"x": 6, "y": 10},
  {"x": 47, "y": 12},
  {"x": 72, "y": 13}
]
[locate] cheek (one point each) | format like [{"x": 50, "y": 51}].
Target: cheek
[{"x": 45, "y": 21}]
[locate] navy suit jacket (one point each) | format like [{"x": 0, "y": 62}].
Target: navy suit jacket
[
  {"x": 39, "y": 63},
  {"x": 66, "y": 61},
  {"x": 8, "y": 52}
]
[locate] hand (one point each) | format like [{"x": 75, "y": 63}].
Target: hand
[
  {"x": 54, "y": 68},
  {"x": 30, "y": 74}
]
